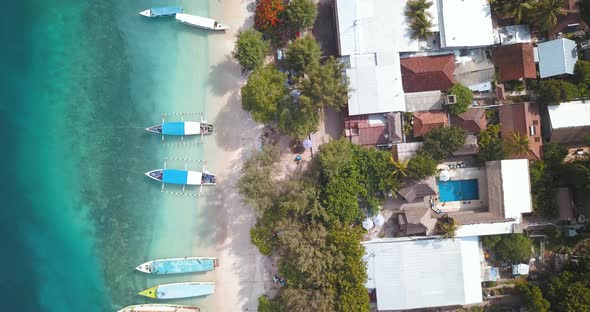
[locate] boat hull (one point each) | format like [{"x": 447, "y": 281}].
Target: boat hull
[
  {"x": 159, "y": 308},
  {"x": 200, "y": 22},
  {"x": 178, "y": 265},
  {"x": 179, "y": 290},
  {"x": 159, "y": 12}
]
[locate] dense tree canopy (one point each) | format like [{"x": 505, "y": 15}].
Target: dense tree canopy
[
  {"x": 490, "y": 144},
  {"x": 262, "y": 93},
  {"x": 569, "y": 293},
  {"x": 421, "y": 166},
  {"x": 517, "y": 144},
  {"x": 301, "y": 14},
  {"x": 267, "y": 15},
  {"x": 250, "y": 50},
  {"x": 303, "y": 54},
  {"x": 513, "y": 247},
  {"x": 464, "y": 98},
  {"x": 533, "y": 298},
  {"x": 554, "y": 91},
  {"x": 298, "y": 116},
  {"x": 545, "y": 13},
  {"x": 582, "y": 77},
  {"x": 440, "y": 143},
  {"x": 327, "y": 85}
]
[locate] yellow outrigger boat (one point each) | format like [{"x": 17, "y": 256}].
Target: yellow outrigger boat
[{"x": 179, "y": 290}]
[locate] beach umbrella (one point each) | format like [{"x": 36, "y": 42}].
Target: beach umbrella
[
  {"x": 445, "y": 175},
  {"x": 368, "y": 224},
  {"x": 379, "y": 220},
  {"x": 307, "y": 144}
]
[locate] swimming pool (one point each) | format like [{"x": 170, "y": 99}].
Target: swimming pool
[{"x": 458, "y": 190}]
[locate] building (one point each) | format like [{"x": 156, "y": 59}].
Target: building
[
  {"x": 375, "y": 129},
  {"x": 525, "y": 119},
  {"x": 569, "y": 123},
  {"x": 424, "y": 121},
  {"x": 557, "y": 57},
  {"x": 427, "y": 73},
  {"x": 515, "y": 34},
  {"x": 473, "y": 120},
  {"x": 465, "y": 23},
  {"x": 408, "y": 274},
  {"x": 515, "y": 61}
]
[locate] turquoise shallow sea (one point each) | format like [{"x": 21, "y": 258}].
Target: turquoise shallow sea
[{"x": 80, "y": 80}]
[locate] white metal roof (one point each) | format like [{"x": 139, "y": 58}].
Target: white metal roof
[
  {"x": 516, "y": 187},
  {"x": 466, "y": 23},
  {"x": 514, "y": 34},
  {"x": 557, "y": 57},
  {"x": 375, "y": 84},
  {"x": 481, "y": 229},
  {"x": 569, "y": 114},
  {"x": 411, "y": 274},
  {"x": 369, "y": 26}
]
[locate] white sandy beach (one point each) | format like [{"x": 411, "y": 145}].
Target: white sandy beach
[{"x": 243, "y": 274}]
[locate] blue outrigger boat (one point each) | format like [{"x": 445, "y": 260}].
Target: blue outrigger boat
[
  {"x": 178, "y": 265},
  {"x": 163, "y": 11}
]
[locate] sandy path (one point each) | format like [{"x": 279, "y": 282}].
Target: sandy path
[{"x": 243, "y": 273}]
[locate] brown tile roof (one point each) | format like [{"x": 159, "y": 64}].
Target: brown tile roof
[
  {"x": 424, "y": 121},
  {"x": 473, "y": 120},
  {"x": 570, "y": 136},
  {"x": 427, "y": 73},
  {"x": 515, "y": 61},
  {"x": 360, "y": 131},
  {"x": 416, "y": 191},
  {"x": 519, "y": 118}
]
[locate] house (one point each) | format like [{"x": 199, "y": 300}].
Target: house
[
  {"x": 569, "y": 123},
  {"x": 515, "y": 61},
  {"x": 415, "y": 220},
  {"x": 427, "y": 73},
  {"x": 424, "y": 101},
  {"x": 422, "y": 122},
  {"x": 515, "y": 34},
  {"x": 373, "y": 33},
  {"x": 525, "y": 119},
  {"x": 374, "y": 129},
  {"x": 414, "y": 273},
  {"x": 473, "y": 120},
  {"x": 557, "y": 57},
  {"x": 415, "y": 191}
]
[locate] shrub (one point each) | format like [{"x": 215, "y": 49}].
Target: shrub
[
  {"x": 464, "y": 98},
  {"x": 250, "y": 50},
  {"x": 441, "y": 143},
  {"x": 303, "y": 53},
  {"x": 421, "y": 166},
  {"x": 553, "y": 92},
  {"x": 301, "y": 14},
  {"x": 261, "y": 94}
]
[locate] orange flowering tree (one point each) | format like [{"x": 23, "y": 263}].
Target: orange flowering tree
[{"x": 267, "y": 16}]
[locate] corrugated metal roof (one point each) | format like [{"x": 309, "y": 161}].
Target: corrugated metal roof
[
  {"x": 557, "y": 57},
  {"x": 412, "y": 274}
]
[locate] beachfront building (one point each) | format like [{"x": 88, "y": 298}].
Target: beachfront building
[
  {"x": 569, "y": 123},
  {"x": 557, "y": 57},
  {"x": 484, "y": 201},
  {"x": 406, "y": 274},
  {"x": 373, "y": 33},
  {"x": 523, "y": 118}
]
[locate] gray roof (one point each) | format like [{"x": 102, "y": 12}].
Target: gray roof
[
  {"x": 414, "y": 190},
  {"x": 557, "y": 57}
]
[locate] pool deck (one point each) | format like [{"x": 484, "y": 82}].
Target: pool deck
[{"x": 478, "y": 174}]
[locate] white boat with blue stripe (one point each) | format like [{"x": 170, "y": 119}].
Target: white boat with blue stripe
[
  {"x": 162, "y": 11},
  {"x": 178, "y": 265},
  {"x": 181, "y": 128}
]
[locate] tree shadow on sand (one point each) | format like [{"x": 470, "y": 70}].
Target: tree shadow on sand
[
  {"x": 225, "y": 76},
  {"x": 235, "y": 127}
]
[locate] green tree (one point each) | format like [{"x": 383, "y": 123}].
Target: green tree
[
  {"x": 262, "y": 237},
  {"x": 302, "y": 54},
  {"x": 421, "y": 166},
  {"x": 250, "y": 50},
  {"x": 421, "y": 26},
  {"x": 301, "y": 14},
  {"x": 327, "y": 85},
  {"x": 256, "y": 183},
  {"x": 417, "y": 7},
  {"x": 490, "y": 241},
  {"x": 399, "y": 168},
  {"x": 517, "y": 9},
  {"x": 554, "y": 91},
  {"x": 517, "y": 145},
  {"x": 441, "y": 143},
  {"x": 532, "y": 298},
  {"x": 553, "y": 155},
  {"x": 464, "y": 98},
  {"x": 569, "y": 292},
  {"x": 298, "y": 117},
  {"x": 513, "y": 247},
  {"x": 490, "y": 144},
  {"x": 262, "y": 92},
  {"x": 545, "y": 13},
  {"x": 582, "y": 77},
  {"x": 269, "y": 305}
]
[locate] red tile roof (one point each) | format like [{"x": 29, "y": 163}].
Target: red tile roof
[
  {"x": 515, "y": 61},
  {"x": 519, "y": 118},
  {"x": 473, "y": 120},
  {"x": 427, "y": 73},
  {"x": 360, "y": 132},
  {"x": 424, "y": 121}
]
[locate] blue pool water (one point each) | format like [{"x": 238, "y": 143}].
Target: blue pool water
[{"x": 458, "y": 190}]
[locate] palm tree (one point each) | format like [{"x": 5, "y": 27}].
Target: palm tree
[
  {"x": 545, "y": 13},
  {"x": 517, "y": 9},
  {"x": 447, "y": 227},
  {"x": 421, "y": 26},
  {"x": 517, "y": 144},
  {"x": 399, "y": 168},
  {"x": 417, "y": 7}
]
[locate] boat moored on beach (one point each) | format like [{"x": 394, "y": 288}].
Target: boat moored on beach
[
  {"x": 182, "y": 177},
  {"x": 181, "y": 128},
  {"x": 162, "y": 11},
  {"x": 200, "y": 22},
  {"x": 179, "y": 290},
  {"x": 178, "y": 265},
  {"x": 159, "y": 308}
]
